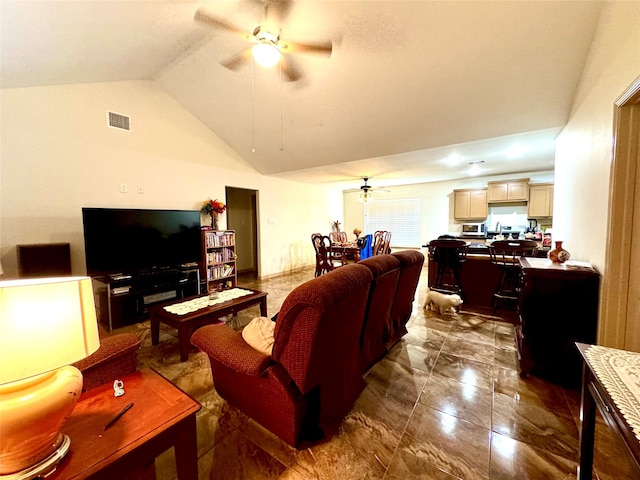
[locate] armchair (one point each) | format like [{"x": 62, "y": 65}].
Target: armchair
[
  {"x": 377, "y": 327},
  {"x": 115, "y": 358},
  {"x": 411, "y": 266},
  {"x": 312, "y": 377}
]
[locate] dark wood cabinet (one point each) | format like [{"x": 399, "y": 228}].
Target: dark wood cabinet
[
  {"x": 124, "y": 299},
  {"x": 558, "y": 307}
]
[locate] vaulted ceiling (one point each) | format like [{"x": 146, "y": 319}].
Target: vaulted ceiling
[{"x": 408, "y": 83}]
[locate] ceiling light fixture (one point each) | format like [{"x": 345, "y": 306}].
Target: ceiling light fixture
[
  {"x": 516, "y": 151},
  {"x": 454, "y": 159},
  {"x": 266, "y": 54},
  {"x": 474, "y": 169},
  {"x": 365, "y": 196}
]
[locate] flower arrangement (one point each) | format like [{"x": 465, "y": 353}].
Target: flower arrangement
[
  {"x": 336, "y": 225},
  {"x": 213, "y": 206},
  {"x": 357, "y": 232}
]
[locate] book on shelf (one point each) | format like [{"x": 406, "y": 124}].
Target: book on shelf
[{"x": 219, "y": 239}]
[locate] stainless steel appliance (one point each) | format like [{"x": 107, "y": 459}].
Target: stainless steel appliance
[{"x": 474, "y": 230}]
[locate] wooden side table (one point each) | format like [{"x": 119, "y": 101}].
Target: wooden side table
[
  {"x": 605, "y": 388},
  {"x": 163, "y": 416}
]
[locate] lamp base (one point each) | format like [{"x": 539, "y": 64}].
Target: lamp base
[
  {"x": 31, "y": 414},
  {"x": 43, "y": 468}
]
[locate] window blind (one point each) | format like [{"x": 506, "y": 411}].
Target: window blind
[{"x": 400, "y": 216}]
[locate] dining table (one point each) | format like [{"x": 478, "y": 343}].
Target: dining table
[{"x": 346, "y": 249}]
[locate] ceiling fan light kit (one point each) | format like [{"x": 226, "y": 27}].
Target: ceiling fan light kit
[
  {"x": 268, "y": 48},
  {"x": 365, "y": 196},
  {"x": 266, "y": 55}
]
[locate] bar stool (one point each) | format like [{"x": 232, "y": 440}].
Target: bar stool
[
  {"x": 505, "y": 254},
  {"x": 449, "y": 255}
]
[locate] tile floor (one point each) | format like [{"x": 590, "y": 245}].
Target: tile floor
[{"x": 445, "y": 403}]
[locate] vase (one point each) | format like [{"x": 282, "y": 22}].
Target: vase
[
  {"x": 214, "y": 221},
  {"x": 558, "y": 254}
]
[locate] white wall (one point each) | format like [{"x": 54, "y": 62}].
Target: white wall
[
  {"x": 584, "y": 148},
  {"x": 58, "y": 155},
  {"x": 436, "y": 202}
]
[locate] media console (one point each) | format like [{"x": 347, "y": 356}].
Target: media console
[{"x": 123, "y": 299}]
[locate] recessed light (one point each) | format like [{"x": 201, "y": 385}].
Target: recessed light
[
  {"x": 516, "y": 151},
  {"x": 454, "y": 159}
]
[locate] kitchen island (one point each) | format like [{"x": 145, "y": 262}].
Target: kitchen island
[{"x": 478, "y": 276}]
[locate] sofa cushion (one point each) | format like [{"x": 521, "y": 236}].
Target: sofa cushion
[{"x": 259, "y": 334}]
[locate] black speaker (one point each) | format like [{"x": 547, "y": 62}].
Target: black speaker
[{"x": 44, "y": 260}]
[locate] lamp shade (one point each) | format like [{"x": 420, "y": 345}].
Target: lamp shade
[{"x": 45, "y": 323}]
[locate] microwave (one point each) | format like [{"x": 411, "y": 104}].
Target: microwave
[{"x": 474, "y": 229}]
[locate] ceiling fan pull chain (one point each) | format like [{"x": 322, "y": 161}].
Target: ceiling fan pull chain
[
  {"x": 281, "y": 110},
  {"x": 253, "y": 121}
]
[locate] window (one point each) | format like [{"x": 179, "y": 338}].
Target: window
[{"x": 400, "y": 216}]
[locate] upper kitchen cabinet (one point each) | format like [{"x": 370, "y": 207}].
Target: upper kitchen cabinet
[
  {"x": 508, "y": 191},
  {"x": 470, "y": 204},
  {"x": 540, "y": 200}
]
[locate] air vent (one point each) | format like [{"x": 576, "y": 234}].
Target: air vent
[{"x": 117, "y": 120}]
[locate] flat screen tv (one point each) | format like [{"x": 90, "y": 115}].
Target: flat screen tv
[{"x": 132, "y": 241}]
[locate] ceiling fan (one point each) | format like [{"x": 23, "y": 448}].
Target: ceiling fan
[
  {"x": 365, "y": 191},
  {"x": 268, "y": 46}
]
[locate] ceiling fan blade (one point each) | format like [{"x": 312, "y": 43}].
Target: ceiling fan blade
[
  {"x": 288, "y": 46},
  {"x": 237, "y": 60},
  {"x": 279, "y": 8},
  {"x": 290, "y": 70},
  {"x": 205, "y": 17}
]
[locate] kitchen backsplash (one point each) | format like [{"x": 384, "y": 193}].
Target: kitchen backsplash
[{"x": 507, "y": 215}]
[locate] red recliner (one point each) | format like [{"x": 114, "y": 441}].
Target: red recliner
[
  {"x": 378, "y": 327},
  {"x": 411, "y": 266},
  {"x": 312, "y": 377}
]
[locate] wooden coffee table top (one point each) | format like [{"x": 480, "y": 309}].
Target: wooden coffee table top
[{"x": 219, "y": 308}]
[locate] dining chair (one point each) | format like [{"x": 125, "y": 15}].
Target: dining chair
[
  {"x": 338, "y": 237},
  {"x": 381, "y": 242},
  {"x": 325, "y": 257},
  {"x": 316, "y": 239}
]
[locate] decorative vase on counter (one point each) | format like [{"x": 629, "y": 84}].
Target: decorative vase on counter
[{"x": 558, "y": 254}]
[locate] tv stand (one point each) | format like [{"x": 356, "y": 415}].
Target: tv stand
[{"x": 123, "y": 298}]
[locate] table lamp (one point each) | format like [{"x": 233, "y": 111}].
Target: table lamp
[{"x": 45, "y": 324}]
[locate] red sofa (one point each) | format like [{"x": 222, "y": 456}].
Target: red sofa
[
  {"x": 328, "y": 331},
  {"x": 377, "y": 328}
]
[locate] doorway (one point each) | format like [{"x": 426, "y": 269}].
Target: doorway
[
  {"x": 242, "y": 217},
  {"x": 620, "y": 297}
]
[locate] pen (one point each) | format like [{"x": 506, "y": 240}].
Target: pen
[{"x": 117, "y": 417}]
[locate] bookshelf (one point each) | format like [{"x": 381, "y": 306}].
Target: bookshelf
[{"x": 218, "y": 265}]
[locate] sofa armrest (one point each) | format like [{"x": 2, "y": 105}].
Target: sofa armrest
[
  {"x": 115, "y": 358},
  {"x": 227, "y": 347}
]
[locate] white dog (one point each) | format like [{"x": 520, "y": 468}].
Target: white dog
[{"x": 445, "y": 303}]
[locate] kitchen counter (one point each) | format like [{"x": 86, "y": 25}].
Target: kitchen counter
[
  {"x": 478, "y": 276},
  {"x": 480, "y": 246}
]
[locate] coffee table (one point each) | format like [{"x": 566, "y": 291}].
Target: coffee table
[
  {"x": 188, "y": 323},
  {"x": 162, "y": 416}
]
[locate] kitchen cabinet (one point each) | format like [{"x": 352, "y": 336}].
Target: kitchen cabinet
[
  {"x": 558, "y": 307},
  {"x": 508, "y": 191},
  {"x": 540, "y": 200},
  {"x": 470, "y": 204}
]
